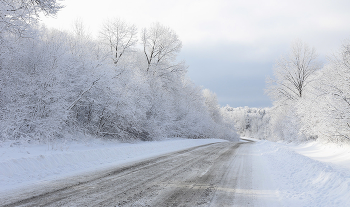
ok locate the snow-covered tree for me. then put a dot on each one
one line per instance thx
(160, 46)
(57, 84)
(292, 73)
(119, 37)
(329, 107)
(17, 15)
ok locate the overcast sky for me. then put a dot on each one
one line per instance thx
(230, 46)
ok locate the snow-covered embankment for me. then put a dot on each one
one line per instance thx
(309, 174)
(25, 165)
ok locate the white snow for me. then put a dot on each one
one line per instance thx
(331, 153)
(311, 174)
(24, 165)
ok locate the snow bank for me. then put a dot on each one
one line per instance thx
(331, 153)
(303, 180)
(25, 165)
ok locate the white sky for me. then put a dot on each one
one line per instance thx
(229, 45)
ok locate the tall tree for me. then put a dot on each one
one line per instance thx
(119, 36)
(293, 73)
(160, 45)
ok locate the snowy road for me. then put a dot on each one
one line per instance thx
(220, 174)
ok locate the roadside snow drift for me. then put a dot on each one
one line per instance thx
(25, 165)
(304, 181)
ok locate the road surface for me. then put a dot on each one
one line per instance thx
(219, 174)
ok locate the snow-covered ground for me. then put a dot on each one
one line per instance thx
(23, 165)
(311, 174)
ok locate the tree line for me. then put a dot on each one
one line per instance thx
(311, 99)
(125, 84)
